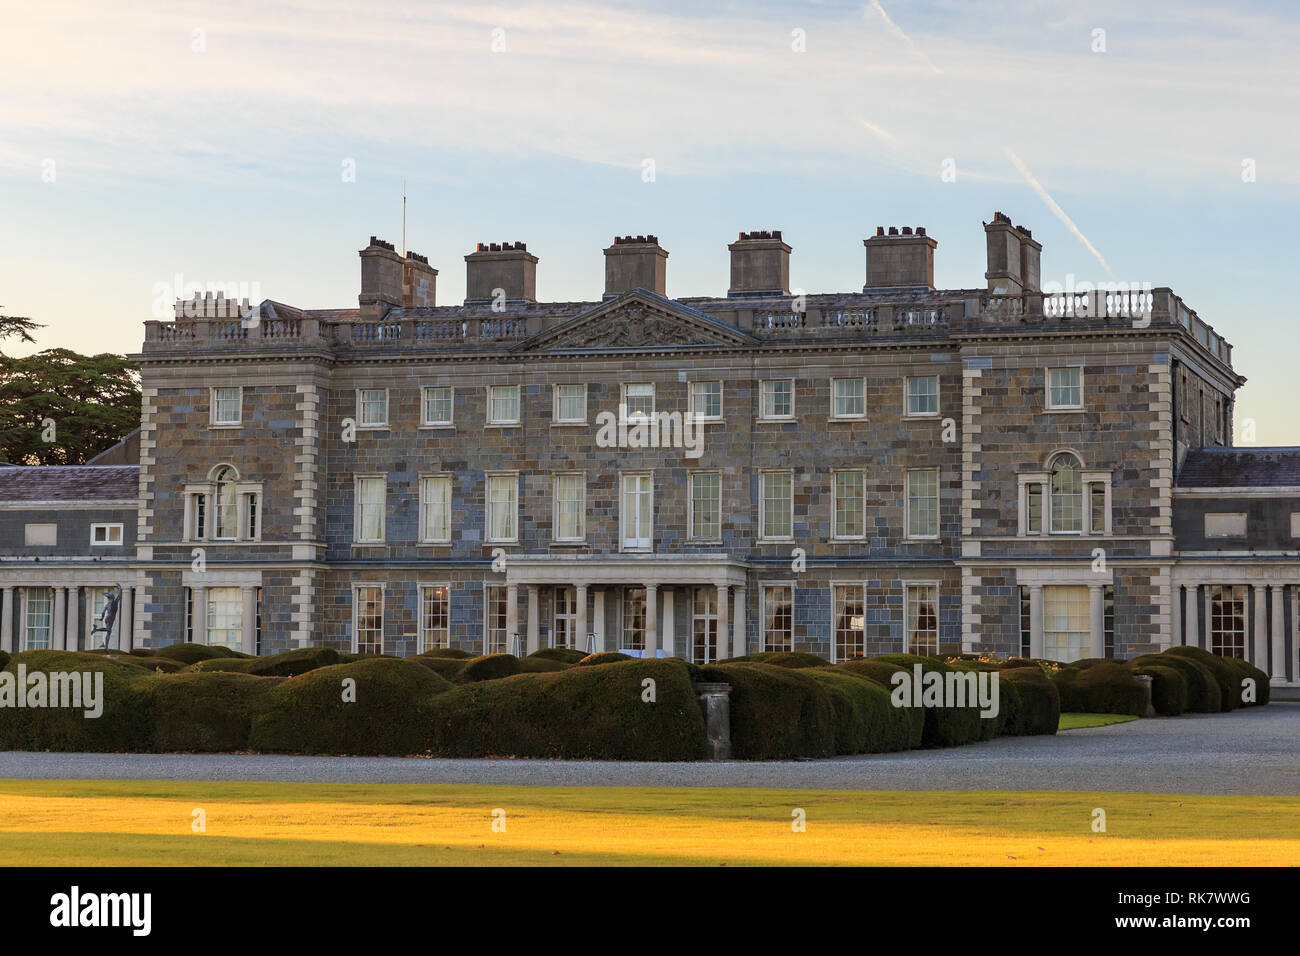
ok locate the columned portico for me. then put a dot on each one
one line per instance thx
(1266, 590)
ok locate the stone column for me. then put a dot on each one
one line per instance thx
(1035, 620)
(738, 625)
(534, 613)
(669, 622)
(58, 637)
(199, 625)
(1175, 616)
(125, 619)
(74, 618)
(1260, 627)
(1278, 669)
(1295, 632)
(512, 617)
(248, 620)
(722, 627)
(651, 621)
(580, 622)
(1191, 623)
(1097, 619)
(7, 619)
(597, 612)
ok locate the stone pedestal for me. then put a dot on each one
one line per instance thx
(715, 702)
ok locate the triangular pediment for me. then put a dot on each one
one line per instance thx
(633, 320)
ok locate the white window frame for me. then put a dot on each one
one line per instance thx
(356, 615)
(690, 505)
(362, 424)
(907, 396)
(24, 620)
(506, 638)
(835, 415)
(425, 420)
(763, 536)
(556, 419)
(582, 508)
(628, 415)
(622, 513)
(209, 617)
(519, 407)
(214, 421)
(762, 610)
(835, 534)
(907, 504)
(442, 478)
(513, 477)
(426, 586)
(763, 388)
(1043, 479)
(690, 400)
(357, 505)
(1048, 404)
(909, 589)
(862, 631)
(109, 526)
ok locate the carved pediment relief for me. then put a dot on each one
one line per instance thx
(632, 324)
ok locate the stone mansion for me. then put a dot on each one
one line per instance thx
(995, 469)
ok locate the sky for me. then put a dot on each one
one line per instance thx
(262, 143)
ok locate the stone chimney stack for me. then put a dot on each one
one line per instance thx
(505, 266)
(635, 262)
(900, 259)
(419, 282)
(1014, 258)
(760, 265)
(381, 279)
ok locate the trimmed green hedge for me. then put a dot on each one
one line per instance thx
(1228, 672)
(452, 652)
(565, 655)
(165, 665)
(1168, 688)
(4, 659)
(866, 721)
(193, 653)
(605, 657)
(1202, 688)
(1100, 687)
(1037, 703)
(204, 713)
(777, 713)
(489, 667)
(794, 659)
(445, 667)
(944, 726)
(541, 665)
(308, 714)
(591, 712)
(122, 726)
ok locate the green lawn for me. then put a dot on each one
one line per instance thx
(1077, 721)
(152, 823)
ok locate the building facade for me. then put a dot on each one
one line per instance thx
(904, 468)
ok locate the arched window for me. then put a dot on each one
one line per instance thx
(1067, 494)
(227, 513)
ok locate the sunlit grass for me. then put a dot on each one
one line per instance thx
(1076, 721)
(143, 823)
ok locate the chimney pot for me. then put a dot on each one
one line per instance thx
(899, 259)
(760, 265)
(507, 266)
(635, 262)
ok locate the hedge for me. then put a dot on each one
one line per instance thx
(565, 655)
(204, 712)
(606, 657)
(453, 652)
(308, 714)
(1202, 688)
(592, 712)
(193, 653)
(541, 665)
(866, 720)
(122, 726)
(1037, 701)
(1101, 687)
(1168, 688)
(445, 667)
(489, 667)
(944, 726)
(1228, 672)
(793, 659)
(777, 713)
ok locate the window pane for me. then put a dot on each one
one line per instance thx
(569, 507)
(923, 619)
(374, 406)
(706, 505)
(850, 622)
(850, 398)
(778, 398)
(923, 395)
(1034, 508)
(227, 516)
(850, 488)
(923, 503)
(706, 399)
(570, 403)
(1228, 620)
(436, 494)
(435, 618)
(704, 625)
(225, 617)
(497, 639)
(639, 400)
(564, 633)
(1098, 501)
(503, 506)
(370, 620)
(437, 406)
(777, 506)
(778, 618)
(633, 636)
(1065, 387)
(503, 403)
(1067, 494)
(226, 406)
(40, 604)
(1067, 633)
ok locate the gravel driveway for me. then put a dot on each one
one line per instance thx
(1255, 751)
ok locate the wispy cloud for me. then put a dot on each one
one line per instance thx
(1057, 211)
(897, 31)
